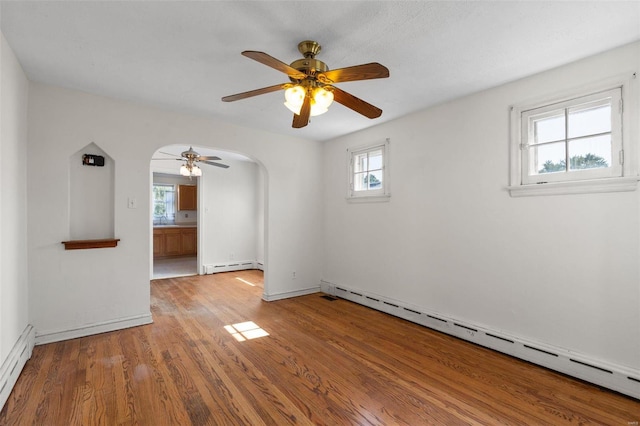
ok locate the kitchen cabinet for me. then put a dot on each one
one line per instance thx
(175, 241)
(189, 241)
(158, 243)
(187, 197)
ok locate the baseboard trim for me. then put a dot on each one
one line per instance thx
(90, 329)
(290, 294)
(612, 376)
(15, 362)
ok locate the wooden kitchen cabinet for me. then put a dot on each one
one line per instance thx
(187, 197)
(175, 241)
(158, 243)
(172, 242)
(189, 241)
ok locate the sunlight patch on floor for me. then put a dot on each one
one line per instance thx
(245, 331)
(245, 281)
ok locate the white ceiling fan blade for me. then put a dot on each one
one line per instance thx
(211, 163)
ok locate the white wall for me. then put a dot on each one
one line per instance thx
(229, 200)
(14, 309)
(73, 290)
(90, 196)
(559, 270)
(260, 209)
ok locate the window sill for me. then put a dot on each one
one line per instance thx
(624, 184)
(370, 199)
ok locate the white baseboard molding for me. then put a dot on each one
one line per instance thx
(289, 294)
(15, 362)
(615, 377)
(90, 329)
(232, 266)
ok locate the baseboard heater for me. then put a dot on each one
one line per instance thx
(232, 266)
(614, 377)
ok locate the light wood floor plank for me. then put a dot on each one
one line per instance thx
(322, 363)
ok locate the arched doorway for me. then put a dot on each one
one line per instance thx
(229, 219)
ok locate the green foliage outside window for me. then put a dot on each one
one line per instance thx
(577, 162)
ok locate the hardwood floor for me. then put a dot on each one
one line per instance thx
(323, 362)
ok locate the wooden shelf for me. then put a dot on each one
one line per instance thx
(90, 244)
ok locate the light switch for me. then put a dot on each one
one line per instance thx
(132, 203)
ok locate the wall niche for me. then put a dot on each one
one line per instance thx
(91, 199)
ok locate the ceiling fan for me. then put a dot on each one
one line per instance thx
(311, 89)
(190, 158)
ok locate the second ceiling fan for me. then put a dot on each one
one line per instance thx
(311, 89)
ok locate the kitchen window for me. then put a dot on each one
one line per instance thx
(164, 204)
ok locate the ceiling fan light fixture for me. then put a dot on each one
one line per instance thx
(294, 97)
(320, 100)
(190, 170)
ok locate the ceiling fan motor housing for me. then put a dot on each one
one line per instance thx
(309, 65)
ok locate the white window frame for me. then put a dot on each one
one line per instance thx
(620, 176)
(381, 194)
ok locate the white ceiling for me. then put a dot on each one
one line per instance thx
(185, 55)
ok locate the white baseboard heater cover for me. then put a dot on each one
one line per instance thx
(615, 377)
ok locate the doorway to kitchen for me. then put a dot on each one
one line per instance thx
(175, 225)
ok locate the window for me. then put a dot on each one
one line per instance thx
(576, 139)
(368, 172)
(164, 203)
(573, 144)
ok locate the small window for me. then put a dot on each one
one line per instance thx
(574, 140)
(164, 204)
(368, 172)
(574, 144)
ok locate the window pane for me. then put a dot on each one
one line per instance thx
(374, 180)
(590, 153)
(375, 160)
(548, 158)
(359, 182)
(360, 163)
(164, 202)
(589, 121)
(549, 129)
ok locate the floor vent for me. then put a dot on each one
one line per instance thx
(589, 365)
(633, 379)
(412, 311)
(371, 298)
(391, 304)
(330, 298)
